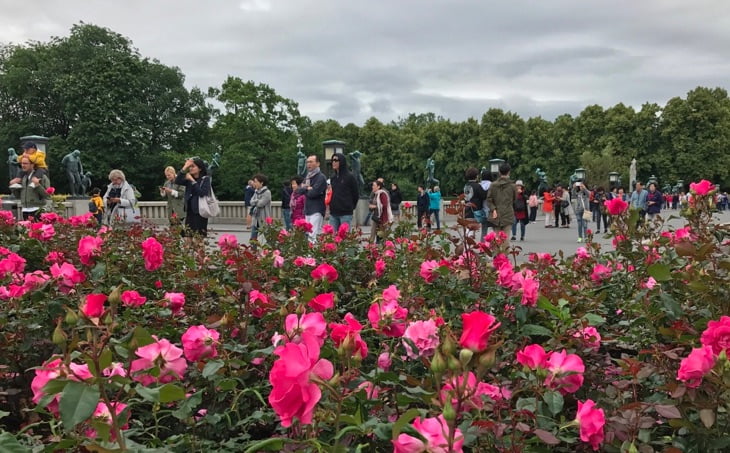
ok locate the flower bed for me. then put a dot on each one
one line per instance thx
(137, 339)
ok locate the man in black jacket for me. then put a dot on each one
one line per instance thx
(345, 193)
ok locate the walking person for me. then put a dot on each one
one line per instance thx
(581, 197)
(422, 208)
(434, 205)
(654, 201)
(247, 194)
(501, 196)
(474, 196)
(314, 189)
(174, 194)
(296, 200)
(521, 215)
(547, 208)
(533, 202)
(345, 193)
(558, 205)
(486, 182)
(382, 215)
(396, 198)
(197, 184)
(600, 197)
(566, 209)
(286, 192)
(638, 201)
(260, 206)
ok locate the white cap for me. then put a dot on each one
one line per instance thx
(519, 183)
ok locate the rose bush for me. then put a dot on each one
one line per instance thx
(133, 339)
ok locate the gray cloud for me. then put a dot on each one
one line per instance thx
(457, 59)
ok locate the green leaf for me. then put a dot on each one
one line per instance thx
(534, 329)
(594, 319)
(78, 402)
(148, 394)
(529, 404)
(668, 411)
(273, 444)
(660, 271)
(212, 367)
(105, 359)
(554, 401)
(9, 444)
(547, 437)
(186, 407)
(170, 393)
(404, 419)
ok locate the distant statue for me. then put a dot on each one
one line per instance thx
(632, 172)
(301, 163)
(13, 165)
(215, 163)
(356, 168)
(542, 185)
(86, 182)
(71, 162)
(430, 167)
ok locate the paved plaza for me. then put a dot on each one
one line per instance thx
(537, 237)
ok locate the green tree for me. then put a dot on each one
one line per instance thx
(256, 132)
(93, 91)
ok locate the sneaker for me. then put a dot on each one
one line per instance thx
(580, 239)
(522, 239)
(15, 186)
(513, 238)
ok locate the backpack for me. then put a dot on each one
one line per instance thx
(468, 192)
(92, 207)
(519, 204)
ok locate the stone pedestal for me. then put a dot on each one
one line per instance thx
(79, 206)
(361, 212)
(10, 205)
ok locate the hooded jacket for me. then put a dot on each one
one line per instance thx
(345, 191)
(501, 197)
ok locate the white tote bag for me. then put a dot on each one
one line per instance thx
(208, 205)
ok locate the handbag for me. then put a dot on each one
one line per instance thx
(564, 204)
(208, 205)
(587, 216)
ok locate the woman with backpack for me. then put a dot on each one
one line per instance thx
(520, 207)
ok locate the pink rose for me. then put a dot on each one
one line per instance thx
(532, 356)
(51, 190)
(227, 242)
(388, 318)
(478, 326)
(591, 421)
(384, 361)
(717, 335)
(428, 270)
(301, 224)
(293, 392)
(600, 273)
(133, 299)
(379, 268)
(702, 188)
(94, 305)
(349, 334)
(322, 302)
(103, 414)
(565, 372)
(696, 365)
(328, 229)
(424, 335)
(324, 272)
(200, 343)
(175, 302)
(163, 355)
(152, 253)
(435, 431)
(312, 324)
(89, 246)
(616, 206)
(590, 336)
(260, 303)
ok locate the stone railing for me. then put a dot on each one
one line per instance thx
(231, 211)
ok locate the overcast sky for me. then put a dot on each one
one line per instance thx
(353, 59)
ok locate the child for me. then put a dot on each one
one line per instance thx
(296, 202)
(37, 158)
(96, 204)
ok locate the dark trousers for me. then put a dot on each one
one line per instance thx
(533, 213)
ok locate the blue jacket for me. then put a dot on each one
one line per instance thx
(434, 201)
(315, 195)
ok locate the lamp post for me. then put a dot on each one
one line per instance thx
(494, 167)
(580, 174)
(332, 147)
(652, 179)
(612, 180)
